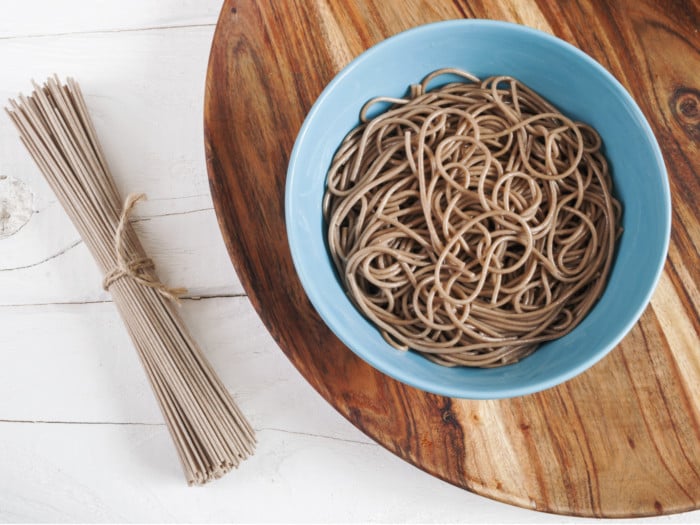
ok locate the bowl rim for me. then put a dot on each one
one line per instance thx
(464, 391)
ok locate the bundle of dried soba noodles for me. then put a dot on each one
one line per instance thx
(210, 433)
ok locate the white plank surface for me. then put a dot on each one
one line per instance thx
(81, 438)
(36, 18)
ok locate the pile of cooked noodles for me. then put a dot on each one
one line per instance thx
(471, 222)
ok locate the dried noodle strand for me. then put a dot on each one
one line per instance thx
(210, 433)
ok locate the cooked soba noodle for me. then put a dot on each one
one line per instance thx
(471, 222)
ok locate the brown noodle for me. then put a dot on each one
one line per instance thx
(471, 222)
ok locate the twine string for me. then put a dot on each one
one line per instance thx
(140, 269)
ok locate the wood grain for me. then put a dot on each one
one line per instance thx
(623, 439)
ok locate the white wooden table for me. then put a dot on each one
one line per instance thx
(81, 437)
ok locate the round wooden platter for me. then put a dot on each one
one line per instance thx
(622, 439)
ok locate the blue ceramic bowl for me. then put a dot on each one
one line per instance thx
(583, 90)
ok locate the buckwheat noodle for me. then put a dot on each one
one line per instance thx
(210, 433)
(471, 222)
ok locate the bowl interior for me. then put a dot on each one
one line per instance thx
(579, 87)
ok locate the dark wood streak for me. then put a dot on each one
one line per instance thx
(464, 9)
(555, 451)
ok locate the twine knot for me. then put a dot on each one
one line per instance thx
(140, 269)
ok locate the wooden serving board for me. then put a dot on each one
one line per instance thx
(622, 439)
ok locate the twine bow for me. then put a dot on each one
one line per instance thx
(140, 269)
